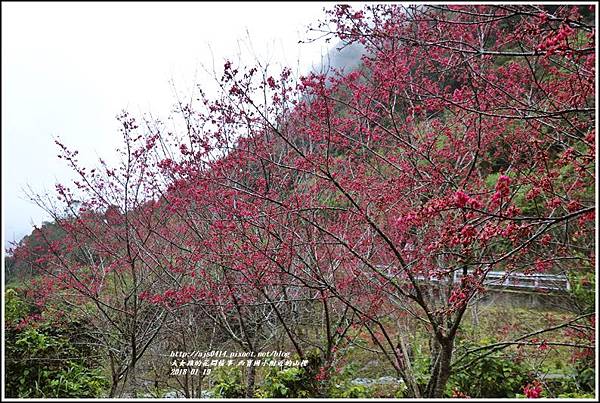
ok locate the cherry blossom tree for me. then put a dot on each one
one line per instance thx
(105, 257)
(464, 143)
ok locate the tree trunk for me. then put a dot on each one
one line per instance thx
(133, 378)
(405, 362)
(444, 371)
(113, 387)
(251, 381)
(114, 375)
(441, 357)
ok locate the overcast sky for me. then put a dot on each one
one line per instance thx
(68, 69)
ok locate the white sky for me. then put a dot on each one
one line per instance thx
(68, 69)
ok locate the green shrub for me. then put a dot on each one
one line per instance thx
(585, 377)
(576, 395)
(14, 308)
(45, 360)
(289, 382)
(583, 287)
(295, 382)
(341, 385)
(228, 383)
(491, 376)
(570, 385)
(355, 391)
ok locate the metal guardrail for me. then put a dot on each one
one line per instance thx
(551, 282)
(534, 281)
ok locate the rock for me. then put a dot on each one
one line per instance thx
(362, 381)
(386, 380)
(172, 395)
(206, 394)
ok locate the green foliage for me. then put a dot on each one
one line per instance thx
(289, 382)
(490, 376)
(295, 382)
(585, 376)
(401, 392)
(576, 395)
(354, 392)
(36, 368)
(14, 308)
(341, 386)
(420, 364)
(570, 385)
(582, 289)
(228, 383)
(43, 361)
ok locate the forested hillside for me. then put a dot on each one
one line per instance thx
(346, 220)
